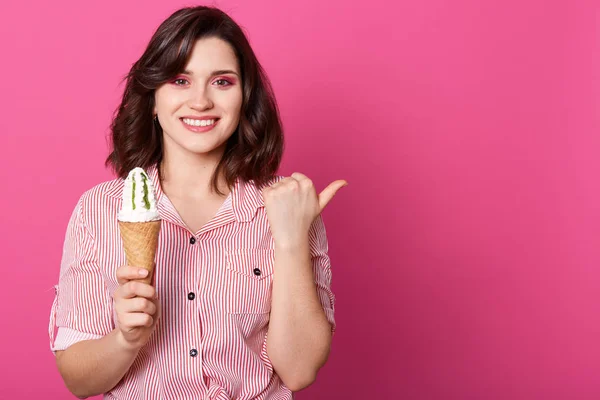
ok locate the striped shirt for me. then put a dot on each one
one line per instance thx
(214, 286)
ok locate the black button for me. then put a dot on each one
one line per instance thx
(191, 296)
(256, 271)
(192, 240)
(193, 352)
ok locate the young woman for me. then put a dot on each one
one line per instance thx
(240, 306)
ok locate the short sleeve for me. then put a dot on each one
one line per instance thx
(322, 268)
(82, 307)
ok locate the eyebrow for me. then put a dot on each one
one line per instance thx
(214, 73)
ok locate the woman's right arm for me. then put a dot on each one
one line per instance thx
(93, 367)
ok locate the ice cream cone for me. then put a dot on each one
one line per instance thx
(139, 221)
(140, 240)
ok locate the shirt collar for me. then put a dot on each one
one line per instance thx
(246, 198)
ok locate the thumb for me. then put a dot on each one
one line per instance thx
(330, 191)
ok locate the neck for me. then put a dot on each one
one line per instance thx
(190, 175)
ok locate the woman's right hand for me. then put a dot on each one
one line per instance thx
(136, 306)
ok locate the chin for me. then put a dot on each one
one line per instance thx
(200, 149)
(205, 143)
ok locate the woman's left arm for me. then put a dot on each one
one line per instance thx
(299, 335)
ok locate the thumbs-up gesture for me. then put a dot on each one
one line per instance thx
(292, 205)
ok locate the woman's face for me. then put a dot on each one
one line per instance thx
(209, 93)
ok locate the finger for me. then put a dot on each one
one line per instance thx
(136, 320)
(137, 289)
(141, 305)
(286, 180)
(300, 177)
(330, 191)
(127, 273)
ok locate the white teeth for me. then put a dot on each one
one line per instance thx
(197, 122)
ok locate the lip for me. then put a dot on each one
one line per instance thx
(199, 129)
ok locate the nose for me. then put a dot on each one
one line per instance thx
(200, 99)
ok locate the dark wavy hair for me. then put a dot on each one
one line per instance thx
(254, 150)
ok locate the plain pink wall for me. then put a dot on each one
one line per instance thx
(465, 250)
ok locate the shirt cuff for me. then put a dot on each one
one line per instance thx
(329, 314)
(66, 337)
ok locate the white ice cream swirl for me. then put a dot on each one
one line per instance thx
(139, 199)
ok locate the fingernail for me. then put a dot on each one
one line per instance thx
(143, 272)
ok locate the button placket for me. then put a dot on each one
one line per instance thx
(191, 296)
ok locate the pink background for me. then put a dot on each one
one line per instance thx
(465, 249)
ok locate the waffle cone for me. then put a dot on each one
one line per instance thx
(140, 240)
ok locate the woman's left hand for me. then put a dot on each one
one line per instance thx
(292, 205)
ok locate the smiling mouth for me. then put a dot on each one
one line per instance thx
(199, 125)
(199, 122)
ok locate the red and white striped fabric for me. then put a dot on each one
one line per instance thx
(214, 286)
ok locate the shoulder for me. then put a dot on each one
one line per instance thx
(100, 197)
(105, 191)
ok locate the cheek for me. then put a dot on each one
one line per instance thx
(235, 105)
(232, 98)
(166, 99)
